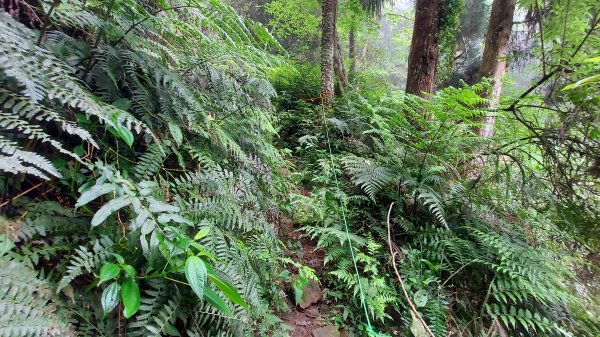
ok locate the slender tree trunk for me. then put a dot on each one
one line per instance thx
(493, 66)
(423, 57)
(352, 51)
(493, 63)
(340, 71)
(363, 57)
(329, 10)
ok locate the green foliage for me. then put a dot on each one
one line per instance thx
(28, 306)
(173, 99)
(467, 262)
(143, 146)
(449, 26)
(294, 18)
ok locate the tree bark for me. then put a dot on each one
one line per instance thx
(493, 63)
(329, 10)
(352, 51)
(340, 71)
(423, 57)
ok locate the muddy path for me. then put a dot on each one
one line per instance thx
(311, 321)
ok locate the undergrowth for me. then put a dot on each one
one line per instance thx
(151, 149)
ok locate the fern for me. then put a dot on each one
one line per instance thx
(369, 176)
(28, 306)
(15, 160)
(86, 261)
(433, 202)
(158, 311)
(193, 75)
(152, 161)
(43, 79)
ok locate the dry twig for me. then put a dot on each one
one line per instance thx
(394, 252)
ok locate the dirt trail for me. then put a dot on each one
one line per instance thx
(305, 321)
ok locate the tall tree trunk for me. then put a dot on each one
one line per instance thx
(352, 51)
(363, 55)
(340, 71)
(493, 63)
(329, 10)
(423, 57)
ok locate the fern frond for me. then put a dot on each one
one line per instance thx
(27, 304)
(158, 311)
(433, 202)
(368, 175)
(85, 260)
(15, 160)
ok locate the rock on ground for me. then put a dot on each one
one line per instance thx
(312, 295)
(326, 331)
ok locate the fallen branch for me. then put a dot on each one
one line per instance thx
(20, 195)
(395, 252)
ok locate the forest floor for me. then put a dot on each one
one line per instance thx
(312, 321)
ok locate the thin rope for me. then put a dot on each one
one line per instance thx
(343, 208)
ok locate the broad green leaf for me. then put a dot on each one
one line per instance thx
(137, 205)
(94, 192)
(202, 251)
(159, 206)
(148, 227)
(228, 289)
(119, 258)
(593, 60)
(176, 133)
(129, 270)
(142, 217)
(298, 285)
(202, 233)
(110, 297)
(78, 150)
(109, 208)
(211, 297)
(416, 327)
(167, 217)
(421, 298)
(148, 184)
(109, 271)
(183, 243)
(124, 133)
(431, 266)
(196, 273)
(130, 294)
(587, 80)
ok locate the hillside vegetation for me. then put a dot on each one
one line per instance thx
(159, 160)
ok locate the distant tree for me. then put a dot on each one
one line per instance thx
(358, 8)
(328, 46)
(372, 8)
(423, 57)
(469, 42)
(493, 63)
(449, 29)
(340, 70)
(352, 50)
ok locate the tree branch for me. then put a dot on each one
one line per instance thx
(557, 68)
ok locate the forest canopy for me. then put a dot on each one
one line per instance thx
(299, 168)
